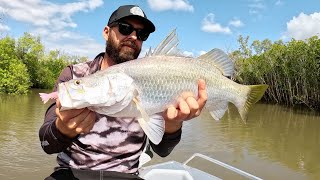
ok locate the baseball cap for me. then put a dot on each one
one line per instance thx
(131, 11)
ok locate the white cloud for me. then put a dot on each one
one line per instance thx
(236, 23)
(253, 12)
(86, 47)
(93, 4)
(202, 52)
(279, 3)
(54, 23)
(163, 5)
(256, 6)
(4, 27)
(43, 13)
(188, 53)
(69, 42)
(209, 25)
(57, 35)
(303, 26)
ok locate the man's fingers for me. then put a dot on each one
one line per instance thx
(171, 113)
(70, 114)
(88, 128)
(183, 111)
(193, 106)
(202, 93)
(186, 95)
(67, 114)
(74, 122)
(58, 104)
(82, 123)
(86, 125)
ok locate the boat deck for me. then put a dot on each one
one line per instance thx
(173, 170)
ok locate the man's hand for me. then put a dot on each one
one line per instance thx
(188, 107)
(75, 121)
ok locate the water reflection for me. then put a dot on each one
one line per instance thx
(281, 135)
(275, 143)
(20, 152)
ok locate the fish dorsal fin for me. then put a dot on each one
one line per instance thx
(149, 53)
(220, 60)
(168, 47)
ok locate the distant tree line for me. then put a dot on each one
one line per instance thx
(291, 69)
(24, 64)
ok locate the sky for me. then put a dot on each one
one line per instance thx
(75, 26)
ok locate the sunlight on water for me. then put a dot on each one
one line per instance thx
(276, 142)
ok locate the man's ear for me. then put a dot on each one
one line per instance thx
(105, 32)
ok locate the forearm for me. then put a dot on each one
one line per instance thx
(52, 141)
(172, 126)
(169, 141)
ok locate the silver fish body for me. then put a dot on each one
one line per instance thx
(160, 80)
(146, 86)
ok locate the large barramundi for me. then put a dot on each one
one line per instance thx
(147, 86)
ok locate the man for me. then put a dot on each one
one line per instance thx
(91, 144)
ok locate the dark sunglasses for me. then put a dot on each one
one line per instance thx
(126, 29)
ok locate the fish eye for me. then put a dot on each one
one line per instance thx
(77, 82)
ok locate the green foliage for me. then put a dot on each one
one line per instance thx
(245, 50)
(23, 64)
(291, 70)
(14, 78)
(51, 64)
(29, 50)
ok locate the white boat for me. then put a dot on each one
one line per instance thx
(173, 170)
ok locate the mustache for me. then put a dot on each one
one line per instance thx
(130, 44)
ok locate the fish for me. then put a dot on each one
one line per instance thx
(149, 85)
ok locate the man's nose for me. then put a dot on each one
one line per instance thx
(133, 35)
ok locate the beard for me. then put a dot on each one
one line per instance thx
(119, 55)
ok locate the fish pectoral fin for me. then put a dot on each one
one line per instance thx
(217, 109)
(46, 97)
(153, 127)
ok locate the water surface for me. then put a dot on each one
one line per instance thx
(276, 143)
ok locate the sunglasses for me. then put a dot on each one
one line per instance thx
(126, 29)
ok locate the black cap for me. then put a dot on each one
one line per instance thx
(131, 11)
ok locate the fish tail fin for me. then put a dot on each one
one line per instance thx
(46, 97)
(254, 95)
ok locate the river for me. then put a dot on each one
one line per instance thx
(276, 142)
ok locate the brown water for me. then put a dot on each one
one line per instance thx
(276, 142)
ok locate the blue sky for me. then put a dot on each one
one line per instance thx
(75, 27)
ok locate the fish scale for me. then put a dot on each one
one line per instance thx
(160, 80)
